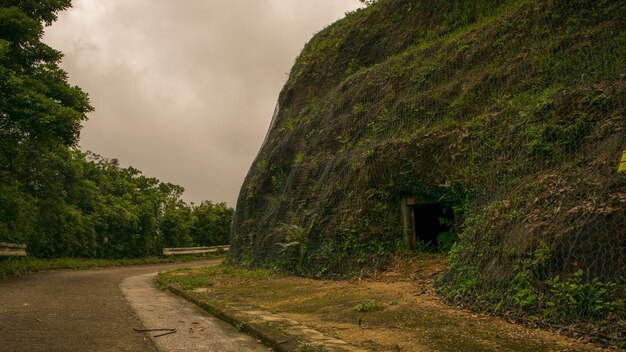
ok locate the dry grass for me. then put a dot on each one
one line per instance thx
(409, 317)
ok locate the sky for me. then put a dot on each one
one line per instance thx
(185, 90)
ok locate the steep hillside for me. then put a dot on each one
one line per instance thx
(411, 123)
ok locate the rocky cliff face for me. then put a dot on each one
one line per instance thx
(507, 115)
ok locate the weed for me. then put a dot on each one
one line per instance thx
(573, 297)
(369, 306)
(19, 266)
(306, 346)
(298, 159)
(446, 239)
(524, 295)
(276, 327)
(335, 334)
(295, 246)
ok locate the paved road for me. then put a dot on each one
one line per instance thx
(73, 311)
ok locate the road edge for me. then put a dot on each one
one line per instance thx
(242, 322)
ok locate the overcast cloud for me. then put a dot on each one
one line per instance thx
(185, 90)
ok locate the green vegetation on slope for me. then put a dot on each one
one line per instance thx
(61, 201)
(510, 112)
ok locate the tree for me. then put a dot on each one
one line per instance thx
(57, 199)
(37, 105)
(39, 110)
(175, 225)
(211, 224)
(368, 2)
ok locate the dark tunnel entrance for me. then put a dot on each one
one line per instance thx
(430, 222)
(428, 225)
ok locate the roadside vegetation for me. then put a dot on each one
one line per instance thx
(10, 267)
(62, 201)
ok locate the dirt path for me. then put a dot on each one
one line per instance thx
(73, 311)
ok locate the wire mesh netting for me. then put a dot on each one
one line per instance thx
(507, 115)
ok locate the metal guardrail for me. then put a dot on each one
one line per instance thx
(194, 250)
(12, 250)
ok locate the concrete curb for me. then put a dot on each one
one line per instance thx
(274, 339)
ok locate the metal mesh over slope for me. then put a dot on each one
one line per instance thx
(509, 114)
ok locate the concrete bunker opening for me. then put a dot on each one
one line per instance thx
(428, 224)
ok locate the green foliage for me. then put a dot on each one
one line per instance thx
(41, 11)
(509, 111)
(40, 115)
(306, 346)
(555, 299)
(294, 247)
(210, 225)
(298, 159)
(278, 180)
(10, 267)
(99, 209)
(175, 225)
(565, 299)
(368, 2)
(189, 280)
(252, 275)
(464, 280)
(370, 305)
(446, 239)
(523, 293)
(574, 297)
(38, 107)
(58, 200)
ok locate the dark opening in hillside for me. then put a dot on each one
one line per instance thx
(433, 225)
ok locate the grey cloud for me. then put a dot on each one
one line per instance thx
(185, 90)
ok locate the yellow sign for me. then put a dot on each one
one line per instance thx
(622, 164)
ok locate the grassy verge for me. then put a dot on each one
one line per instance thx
(10, 267)
(393, 312)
